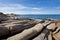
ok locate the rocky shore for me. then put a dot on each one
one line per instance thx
(30, 29)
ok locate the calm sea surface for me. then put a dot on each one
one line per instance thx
(54, 16)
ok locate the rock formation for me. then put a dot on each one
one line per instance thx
(28, 29)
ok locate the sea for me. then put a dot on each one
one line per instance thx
(38, 16)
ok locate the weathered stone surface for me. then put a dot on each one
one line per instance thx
(3, 17)
(52, 26)
(3, 30)
(47, 23)
(42, 36)
(26, 34)
(56, 33)
(14, 26)
(58, 25)
(57, 36)
(50, 36)
(48, 30)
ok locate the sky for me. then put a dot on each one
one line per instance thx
(30, 6)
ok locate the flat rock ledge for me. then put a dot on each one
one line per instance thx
(30, 30)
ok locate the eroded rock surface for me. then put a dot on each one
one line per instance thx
(31, 30)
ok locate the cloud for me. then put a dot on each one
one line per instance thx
(21, 9)
(18, 8)
(12, 6)
(57, 7)
(37, 8)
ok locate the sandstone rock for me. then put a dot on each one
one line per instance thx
(52, 26)
(42, 36)
(50, 36)
(3, 31)
(58, 25)
(28, 33)
(13, 28)
(57, 36)
(56, 33)
(47, 23)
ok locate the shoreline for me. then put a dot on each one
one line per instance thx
(15, 26)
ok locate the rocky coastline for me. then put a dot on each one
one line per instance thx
(30, 29)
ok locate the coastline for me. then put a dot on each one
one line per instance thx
(14, 27)
(19, 28)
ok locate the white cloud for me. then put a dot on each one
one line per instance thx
(57, 7)
(18, 8)
(21, 9)
(7, 8)
(37, 8)
(12, 6)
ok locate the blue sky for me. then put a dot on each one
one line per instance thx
(30, 6)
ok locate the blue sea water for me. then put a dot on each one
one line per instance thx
(38, 16)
